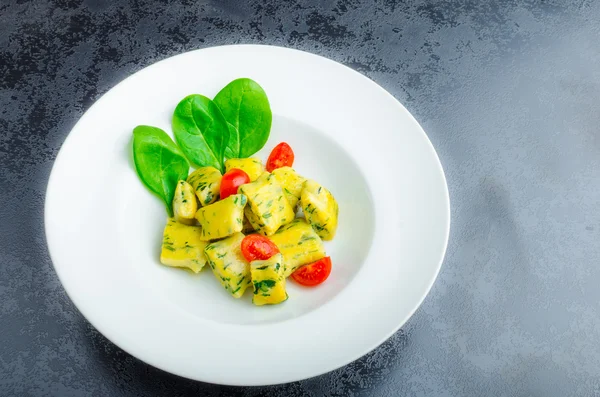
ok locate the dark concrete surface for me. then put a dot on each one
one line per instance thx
(509, 94)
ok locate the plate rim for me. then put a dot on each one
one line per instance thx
(430, 282)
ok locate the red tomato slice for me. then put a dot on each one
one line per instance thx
(281, 156)
(314, 273)
(230, 182)
(256, 247)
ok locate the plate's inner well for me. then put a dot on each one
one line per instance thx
(140, 218)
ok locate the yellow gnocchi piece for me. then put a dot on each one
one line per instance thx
(268, 207)
(182, 246)
(268, 281)
(299, 244)
(223, 218)
(206, 182)
(291, 183)
(229, 265)
(320, 209)
(184, 203)
(251, 166)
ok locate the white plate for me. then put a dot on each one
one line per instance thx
(104, 228)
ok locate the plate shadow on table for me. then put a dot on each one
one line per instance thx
(132, 374)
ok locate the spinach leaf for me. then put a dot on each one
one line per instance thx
(245, 106)
(159, 162)
(201, 131)
(263, 286)
(232, 151)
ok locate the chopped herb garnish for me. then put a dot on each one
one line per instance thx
(319, 227)
(263, 285)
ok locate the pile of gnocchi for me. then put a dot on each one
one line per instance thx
(255, 226)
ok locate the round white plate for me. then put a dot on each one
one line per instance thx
(104, 227)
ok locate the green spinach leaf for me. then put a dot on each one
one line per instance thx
(159, 162)
(245, 106)
(232, 151)
(201, 131)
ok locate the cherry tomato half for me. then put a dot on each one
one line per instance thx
(281, 156)
(256, 247)
(230, 182)
(314, 273)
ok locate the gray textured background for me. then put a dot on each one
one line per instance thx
(509, 94)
